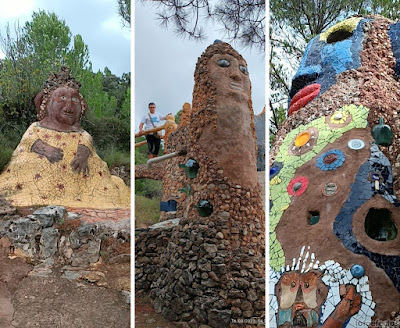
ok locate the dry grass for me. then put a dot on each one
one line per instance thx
(147, 211)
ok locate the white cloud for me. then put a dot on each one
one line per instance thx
(114, 25)
(16, 8)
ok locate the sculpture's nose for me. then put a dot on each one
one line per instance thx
(68, 106)
(235, 76)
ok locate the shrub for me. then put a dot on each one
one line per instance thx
(147, 211)
(9, 140)
(114, 157)
(148, 188)
(108, 131)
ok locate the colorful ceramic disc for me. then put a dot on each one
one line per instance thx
(356, 144)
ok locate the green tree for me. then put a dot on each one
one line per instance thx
(124, 10)
(125, 113)
(178, 116)
(42, 45)
(115, 86)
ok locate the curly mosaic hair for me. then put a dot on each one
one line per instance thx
(53, 82)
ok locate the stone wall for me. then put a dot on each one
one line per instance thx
(150, 244)
(54, 235)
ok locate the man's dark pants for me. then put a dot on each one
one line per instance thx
(153, 144)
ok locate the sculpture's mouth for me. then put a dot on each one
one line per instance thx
(303, 97)
(69, 114)
(236, 86)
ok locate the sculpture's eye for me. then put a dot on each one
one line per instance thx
(63, 98)
(306, 285)
(224, 63)
(293, 284)
(243, 69)
(74, 99)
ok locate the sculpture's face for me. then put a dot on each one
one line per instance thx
(297, 296)
(230, 77)
(64, 106)
(326, 56)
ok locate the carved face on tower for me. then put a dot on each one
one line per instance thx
(222, 100)
(231, 78)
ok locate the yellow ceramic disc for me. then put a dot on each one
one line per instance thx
(302, 139)
(339, 117)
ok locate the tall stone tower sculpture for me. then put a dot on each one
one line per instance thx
(212, 270)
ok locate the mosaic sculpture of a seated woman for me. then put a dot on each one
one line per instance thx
(55, 162)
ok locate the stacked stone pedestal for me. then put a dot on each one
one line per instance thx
(205, 277)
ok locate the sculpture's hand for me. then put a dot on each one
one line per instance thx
(80, 162)
(42, 148)
(349, 305)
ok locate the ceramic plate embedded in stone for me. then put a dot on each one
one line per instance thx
(356, 144)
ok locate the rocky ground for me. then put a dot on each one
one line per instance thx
(41, 285)
(40, 296)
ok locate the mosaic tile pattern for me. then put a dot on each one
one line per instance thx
(280, 198)
(361, 191)
(348, 25)
(337, 160)
(333, 277)
(322, 61)
(31, 179)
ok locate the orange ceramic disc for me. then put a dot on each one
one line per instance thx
(302, 139)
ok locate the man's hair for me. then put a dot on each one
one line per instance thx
(151, 104)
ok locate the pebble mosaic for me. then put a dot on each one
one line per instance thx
(361, 191)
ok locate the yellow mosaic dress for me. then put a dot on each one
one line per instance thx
(30, 179)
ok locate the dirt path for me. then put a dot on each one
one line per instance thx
(146, 317)
(47, 298)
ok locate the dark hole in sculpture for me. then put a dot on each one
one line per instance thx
(379, 225)
(313, 217)
(204, 208)
(191, 167)
(338, 35)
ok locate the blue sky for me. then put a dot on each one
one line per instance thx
(165, 64)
